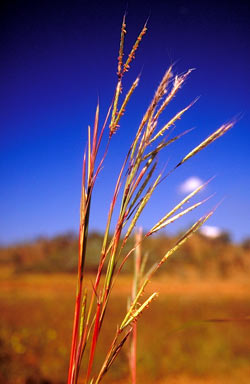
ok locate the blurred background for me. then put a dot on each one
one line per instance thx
(57, 59)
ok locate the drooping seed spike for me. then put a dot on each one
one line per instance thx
(131, 55)
(120, 57)
(210, 139)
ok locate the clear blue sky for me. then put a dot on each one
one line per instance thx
(58, 57)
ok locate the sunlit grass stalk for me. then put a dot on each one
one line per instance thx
(136, 282)
(137, 181)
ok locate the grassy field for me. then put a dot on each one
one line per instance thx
(181, 336)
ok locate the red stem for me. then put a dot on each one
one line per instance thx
(94, 341)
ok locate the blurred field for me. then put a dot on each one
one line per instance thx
(182, 339)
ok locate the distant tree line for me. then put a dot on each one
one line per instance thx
(200, 255)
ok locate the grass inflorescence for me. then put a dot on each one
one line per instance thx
(137, 181)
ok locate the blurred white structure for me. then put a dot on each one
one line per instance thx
(210, 231)
(190, 184)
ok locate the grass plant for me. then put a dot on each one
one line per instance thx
(139, 265)
(138, 179)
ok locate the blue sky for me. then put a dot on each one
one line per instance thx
(59, 57)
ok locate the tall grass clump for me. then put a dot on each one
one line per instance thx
(135, 184)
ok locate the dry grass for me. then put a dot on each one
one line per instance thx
(136, 182)
(100, 332)
(185, 349)
(37, 285)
